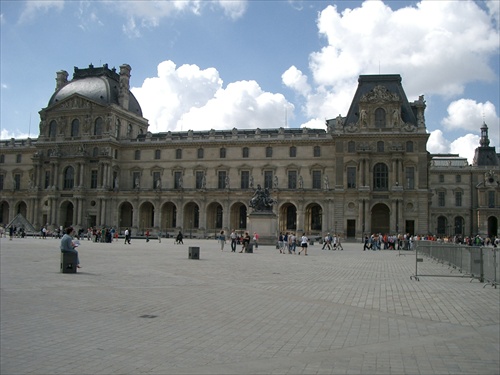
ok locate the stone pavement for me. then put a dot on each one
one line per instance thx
(146, 308)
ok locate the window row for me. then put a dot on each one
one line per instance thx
(97, 128)
(245, 153)
(19, 158)
(351, 146)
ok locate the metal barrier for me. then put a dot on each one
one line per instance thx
(478, 263)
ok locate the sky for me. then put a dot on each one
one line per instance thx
(201, 65)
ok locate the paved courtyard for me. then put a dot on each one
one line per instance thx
(146, 308)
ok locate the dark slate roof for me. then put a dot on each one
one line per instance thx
(100, 85)
(392, 82)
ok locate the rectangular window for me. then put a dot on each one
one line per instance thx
(293, 152)
(351, 177)
(458, 178)
(136, 180)
(199, 179)
(221, 179)
(157, 154)
(1, 181)
(245, 152)
(316, 175)
(177, 180)
(317, 151)
(268, 179)
(222, 153)
(245, 179)
(200, 153)
(178, 153)
(17, 182)
(410, 178)
(93, 179)
(441, 198)
(269, 152)
(441, 178)
(156, 180)
(46, 182)
(292, 179)
(458, 199)
(137, 155)
(18, 158)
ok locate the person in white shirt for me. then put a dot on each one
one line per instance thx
(303, 244)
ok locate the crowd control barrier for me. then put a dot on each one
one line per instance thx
(477, 262)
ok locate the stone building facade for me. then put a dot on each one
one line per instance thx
(95, 163)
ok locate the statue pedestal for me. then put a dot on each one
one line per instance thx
(265, 224)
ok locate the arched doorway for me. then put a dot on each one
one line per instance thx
(4, 212)
(126, 215)
(191, 217)
(66, 214)
(287, 218)
(238, 218)
(314, 219)
(146, 216)
(21, 209)
(492, 226)
(380, 218)
(214, 217)
(168, 217)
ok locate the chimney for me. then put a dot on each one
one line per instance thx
(124, 93)
(61, 79)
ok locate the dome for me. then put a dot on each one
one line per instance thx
(100, 85)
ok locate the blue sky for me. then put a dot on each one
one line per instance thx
(221, 64)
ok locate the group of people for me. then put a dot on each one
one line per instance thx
(332, 242)
(243, 239)
(287, 243)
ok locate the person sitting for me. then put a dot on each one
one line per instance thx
(68, 246)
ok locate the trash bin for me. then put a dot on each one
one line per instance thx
(68, 262)
(194, 252)
(249, 248)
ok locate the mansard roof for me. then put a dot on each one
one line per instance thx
(392, 83)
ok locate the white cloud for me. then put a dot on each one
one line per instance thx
(437, 143)
(148, 14)
(465, 146)
(35, 8)
(469, 115)
(432, 45)
(190, 98)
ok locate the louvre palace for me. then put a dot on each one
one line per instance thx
(95, 163)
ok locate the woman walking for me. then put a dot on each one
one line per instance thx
(303, 244)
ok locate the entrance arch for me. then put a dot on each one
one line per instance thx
(492, 226)
(287, 218)
(191, 216)
(4, 212)
(214, 216)
(126, 213)
(146, 216)
(168, 217)
(238, 217)
(380, 215)
(22, 209)
(314, 219)
(66, 214)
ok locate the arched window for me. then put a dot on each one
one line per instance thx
(52, 129)
(380, 177)
(441, 225)
(98, 126)
(118, 128)
(75, 128)
(69, 178)
(409, 146)
(459, 225)
(379, 118)
(380, 146)
(351, 146)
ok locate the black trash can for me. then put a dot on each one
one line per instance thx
(194, 252)
(68, 262)
(249, 248)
